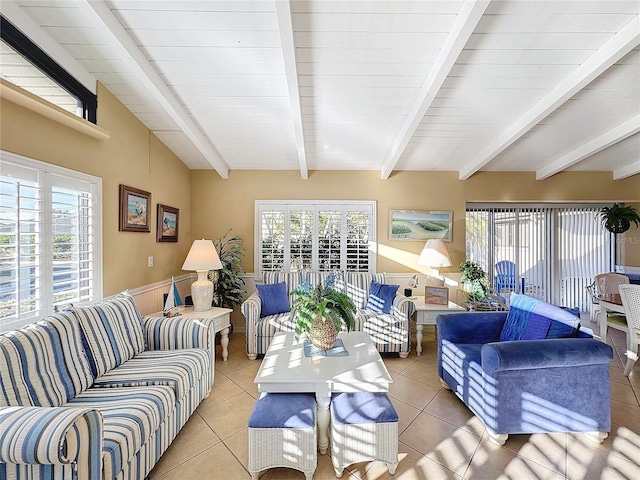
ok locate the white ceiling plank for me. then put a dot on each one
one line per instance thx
(619, 45)
(285, 24)
(615, 135)
(627, 171)
(462, 28)
(111, 27)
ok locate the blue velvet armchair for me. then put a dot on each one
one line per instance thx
(525, 386)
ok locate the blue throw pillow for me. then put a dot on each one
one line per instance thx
(381, 297)
(530, 318)
(274, 298)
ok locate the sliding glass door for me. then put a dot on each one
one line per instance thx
(551, 252)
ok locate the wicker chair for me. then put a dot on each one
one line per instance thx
(630, 295)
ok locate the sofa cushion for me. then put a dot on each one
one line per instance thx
(131, 415)
(274, 298)
(381, 297)
(43, 364)
(178, 369)
(530, 318)
(112, 333)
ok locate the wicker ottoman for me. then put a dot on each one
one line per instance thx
(282, 433)
(364, 426)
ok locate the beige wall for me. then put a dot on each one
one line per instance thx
(223, 204)
(132, 156)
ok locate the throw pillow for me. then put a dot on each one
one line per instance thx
(381, 297)
(274, 298)
(529, 318)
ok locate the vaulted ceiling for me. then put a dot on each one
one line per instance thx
(502, 85)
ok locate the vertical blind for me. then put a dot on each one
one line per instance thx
(316, 236)
(50, 251)
(554, 251)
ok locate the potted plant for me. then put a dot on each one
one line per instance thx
(320, 311)
(475, 280)
(618, 218)
(228, 285)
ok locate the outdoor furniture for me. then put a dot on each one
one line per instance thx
(282, 433)
(364, 427)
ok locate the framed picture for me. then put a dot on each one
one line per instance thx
(436, 295)
(135, 215)
(167, 224)
(416, 225)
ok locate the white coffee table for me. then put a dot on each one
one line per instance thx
(285, 368)
(426, 314)
(221, 318)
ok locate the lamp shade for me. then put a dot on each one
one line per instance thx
(202, 256)
(434, 254)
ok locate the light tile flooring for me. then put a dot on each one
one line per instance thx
(439, 437)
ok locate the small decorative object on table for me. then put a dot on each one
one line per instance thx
(321, 311)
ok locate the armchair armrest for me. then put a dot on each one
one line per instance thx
(536, 354)
(53, 436)
(402, 307)
(173, 333)
(470, 327)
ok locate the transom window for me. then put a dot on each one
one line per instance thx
(50, 239)
(317, 236)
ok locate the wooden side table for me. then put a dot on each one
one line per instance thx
(222, 320)
(426, 315)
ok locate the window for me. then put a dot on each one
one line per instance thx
(24, 64)
(318, 236)
(50, 239)
(554, 251)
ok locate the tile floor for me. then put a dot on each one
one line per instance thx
(439, 437)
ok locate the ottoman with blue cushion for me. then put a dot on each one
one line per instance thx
(282, 433)
(364, 427)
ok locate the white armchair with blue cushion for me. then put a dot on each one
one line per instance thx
(383, 313)
(531, 369)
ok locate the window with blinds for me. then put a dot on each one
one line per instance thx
(317, 236)
(554, 251)
(50, 251)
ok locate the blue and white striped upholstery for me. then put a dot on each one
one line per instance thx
(131, 416)
(112, 333)
(43, 364)
(389, 332)
(66, 442)
(178, 369)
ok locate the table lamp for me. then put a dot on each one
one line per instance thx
(202, 257)
(435, 255)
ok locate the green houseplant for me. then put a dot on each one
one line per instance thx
(228, 285)
(618, 218)
(475, 279)
(319, 312)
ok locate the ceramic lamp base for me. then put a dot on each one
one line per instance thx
(202, 292)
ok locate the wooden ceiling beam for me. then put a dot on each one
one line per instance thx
(613, 136)
(285, 24)
(617, 47)
(470, 14)
(105, 21)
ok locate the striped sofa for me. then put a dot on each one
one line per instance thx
(390, 332)
(98, 392)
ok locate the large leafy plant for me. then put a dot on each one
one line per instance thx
(228, 285)
(618, 218)
(475, 279)
(325, 300)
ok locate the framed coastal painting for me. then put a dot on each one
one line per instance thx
(135, 215)
(167, 224)
(420, 225)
